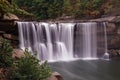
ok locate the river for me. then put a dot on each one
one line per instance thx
(88, 69)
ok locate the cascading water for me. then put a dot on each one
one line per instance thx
(89, 40)
(106, 54)
(60, 41)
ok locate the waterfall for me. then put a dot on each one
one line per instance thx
(89, 38)
(61, 41)
(106, 54)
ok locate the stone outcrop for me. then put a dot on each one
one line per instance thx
(113, 38)
(114, 19)
(10, 16)
(108, 19)
(9, 29)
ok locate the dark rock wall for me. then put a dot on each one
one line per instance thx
(9, 31)
(113, 39)
(113, 35)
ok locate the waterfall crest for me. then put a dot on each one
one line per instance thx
(61, 41)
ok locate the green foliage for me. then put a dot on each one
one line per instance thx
(67, 7)
(10, 6)
(4, 7)
(6, 59)
(80, 8)
(28, 68)
(51, 9)
(42, 9)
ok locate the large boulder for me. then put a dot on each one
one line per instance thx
(55, 76)
(17, 53)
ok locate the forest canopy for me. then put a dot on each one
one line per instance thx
(45, 9)
(51, 9)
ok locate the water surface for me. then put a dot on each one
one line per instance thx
(88, 69)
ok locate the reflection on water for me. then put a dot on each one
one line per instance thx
(88, 69)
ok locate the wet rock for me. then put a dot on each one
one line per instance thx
(17, 53)
(118, 31)
(111, 27)
(55, 76)
(114, 54)
(113, 42)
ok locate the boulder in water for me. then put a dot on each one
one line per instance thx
(55, 76)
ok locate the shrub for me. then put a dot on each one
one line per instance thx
(28, 68)
(6, 59)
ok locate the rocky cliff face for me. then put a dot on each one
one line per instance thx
(9, 31)
(113, 38)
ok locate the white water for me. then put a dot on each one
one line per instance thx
(58, 41)
(106, 54)
(89, 40)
